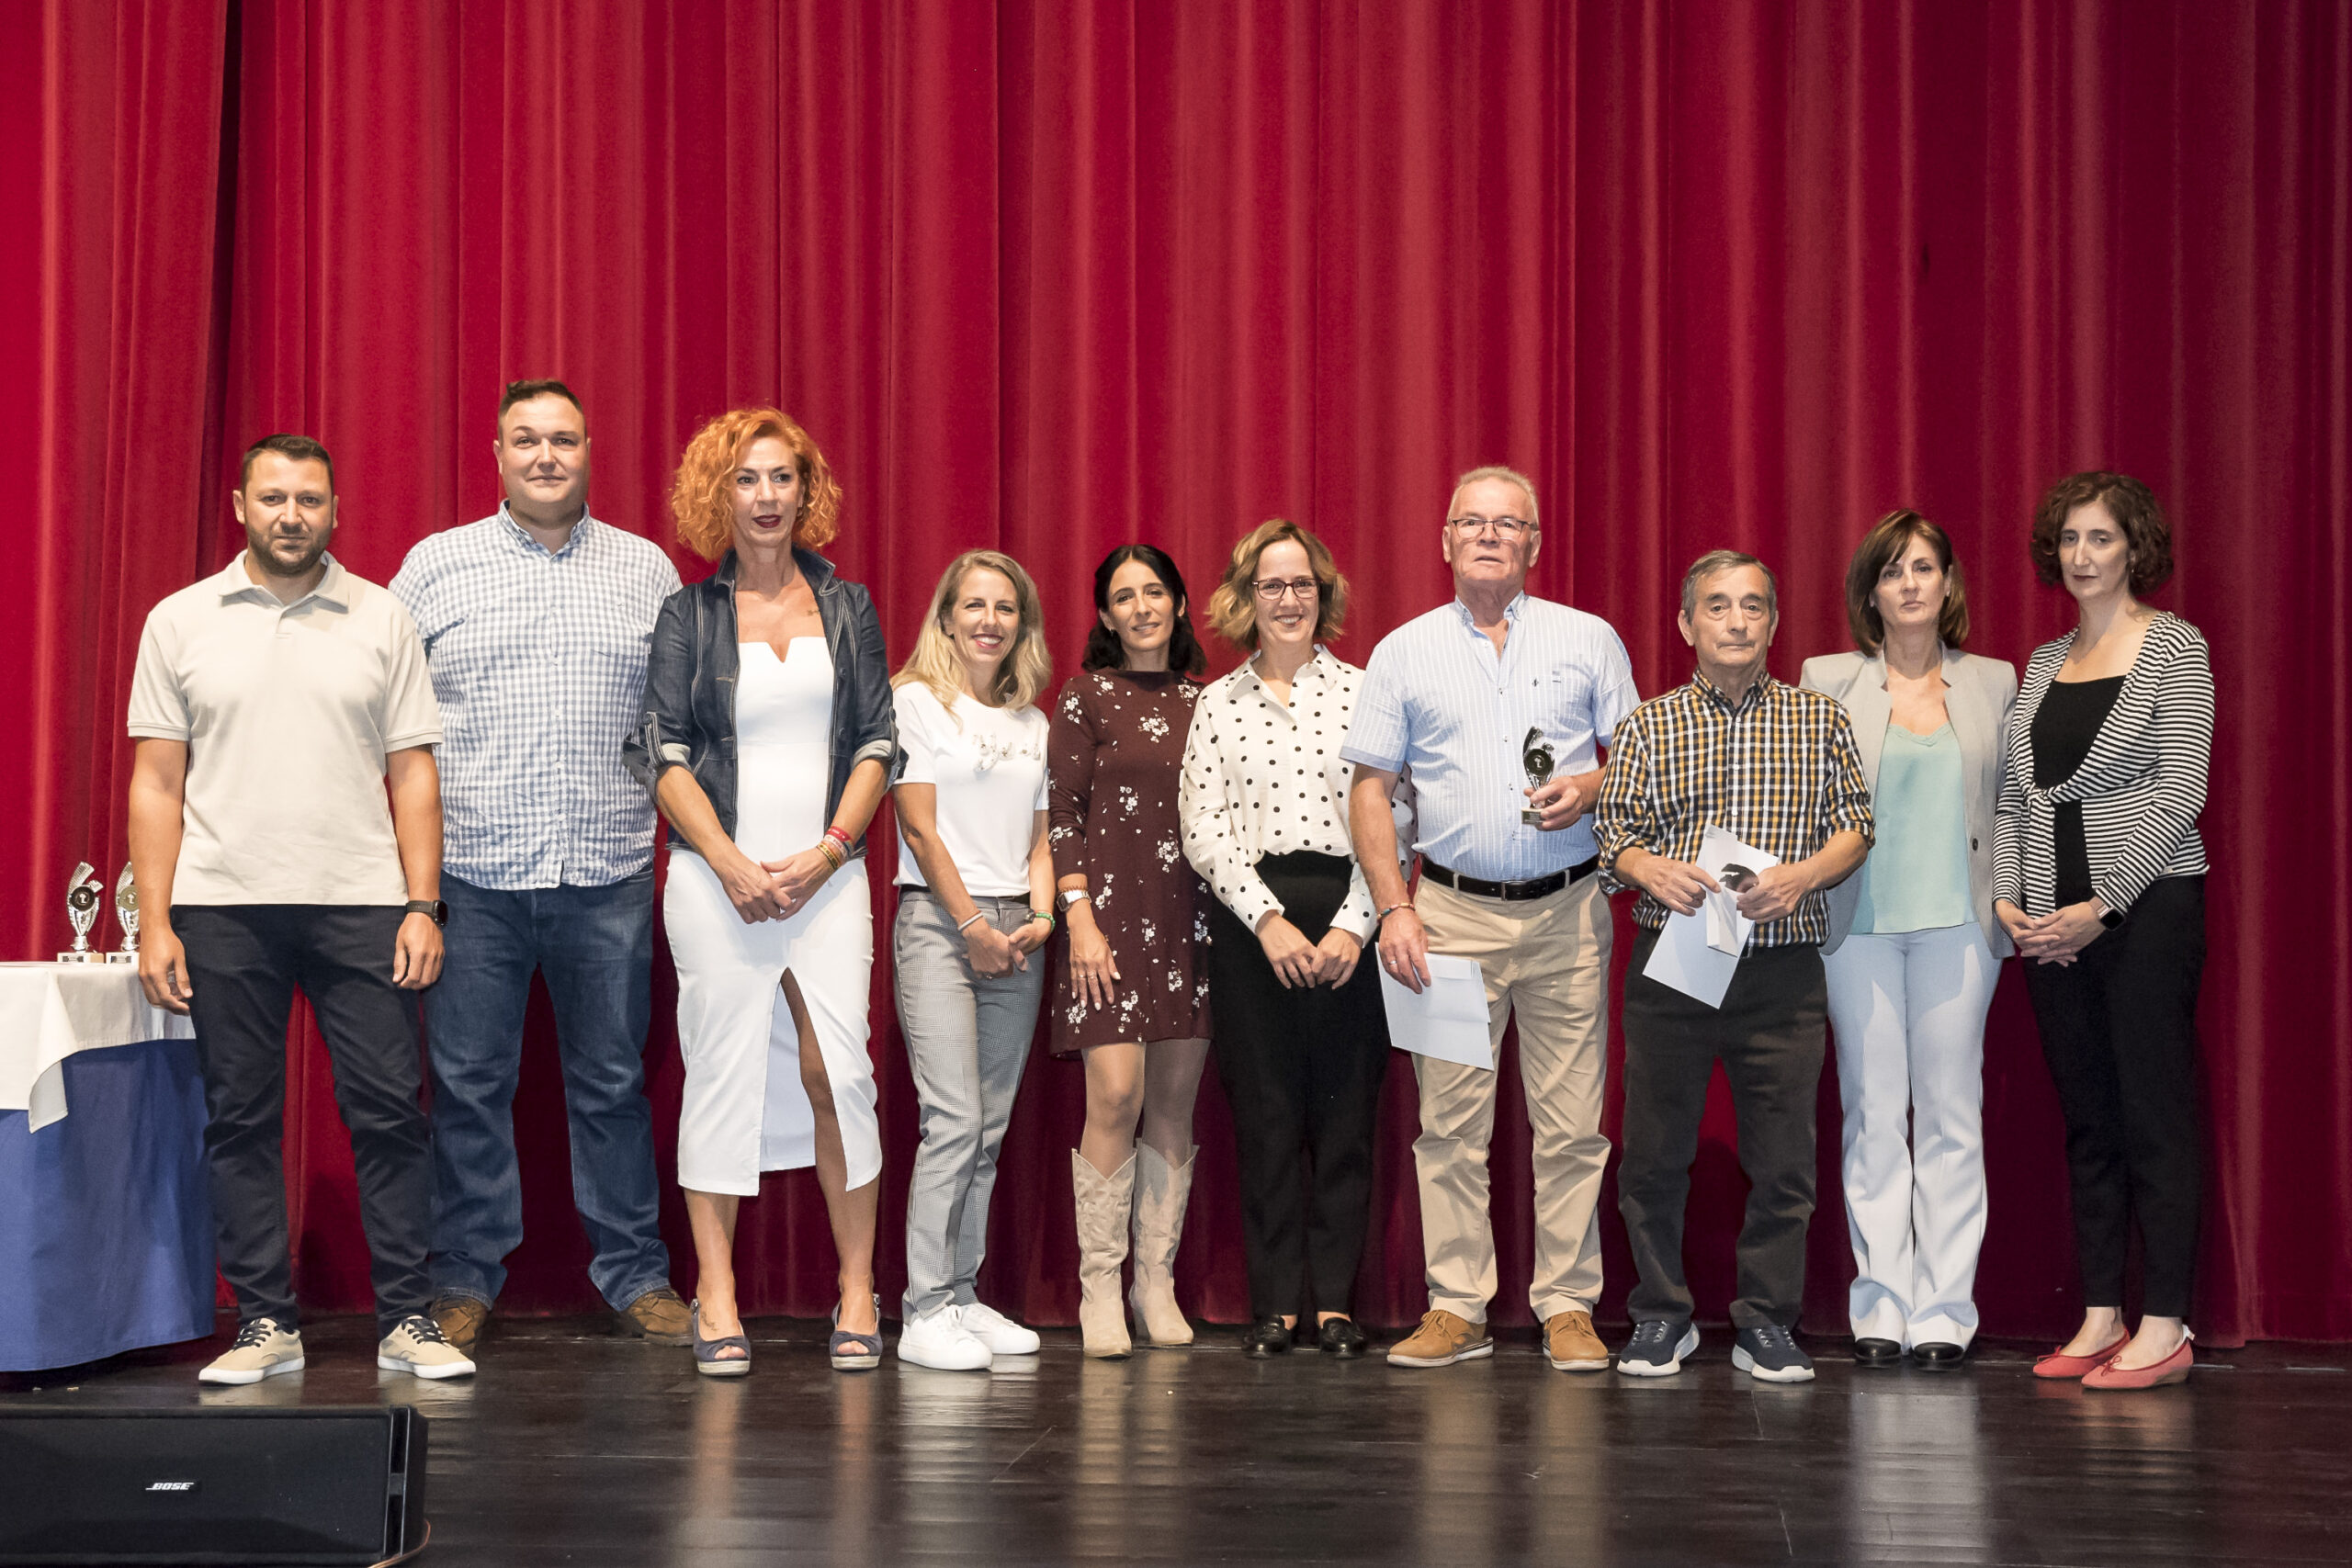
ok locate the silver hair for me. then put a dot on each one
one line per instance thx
(1497, 471)
(1713, 561)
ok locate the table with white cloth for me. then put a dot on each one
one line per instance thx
(106, 1231)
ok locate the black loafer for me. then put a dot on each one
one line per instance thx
(1270, 1338)
(1339, 1337)
(1938, 1355)
(1878, 1353)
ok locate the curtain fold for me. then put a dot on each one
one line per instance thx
(1051, 274)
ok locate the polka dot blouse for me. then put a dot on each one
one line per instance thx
(1262, 777)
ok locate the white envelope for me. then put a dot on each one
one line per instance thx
(1447, 1019)
(1685, 958)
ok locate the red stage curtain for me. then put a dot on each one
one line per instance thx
(1052, 274)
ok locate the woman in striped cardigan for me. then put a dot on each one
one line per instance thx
(2100, 879)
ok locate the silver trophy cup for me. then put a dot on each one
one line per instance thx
(83, 896)
(1535, 756)
(126, 914)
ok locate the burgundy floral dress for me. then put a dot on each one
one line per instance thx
(1113, 760)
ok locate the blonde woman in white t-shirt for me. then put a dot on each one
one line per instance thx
(975, 887)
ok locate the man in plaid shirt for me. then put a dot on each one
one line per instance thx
(536, 621)
(1778, 769)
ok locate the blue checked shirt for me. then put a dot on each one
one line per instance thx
(1438, 699)
(538, 662)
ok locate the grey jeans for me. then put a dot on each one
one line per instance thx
(968, 1039)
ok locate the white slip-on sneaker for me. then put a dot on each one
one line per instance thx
(999, 1332)
(415, 1345)
(938, 1339)
(262, 1351)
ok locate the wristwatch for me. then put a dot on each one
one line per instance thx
(433, 909)
(2110, 919)
(1071, 895)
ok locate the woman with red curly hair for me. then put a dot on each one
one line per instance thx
(766, 741)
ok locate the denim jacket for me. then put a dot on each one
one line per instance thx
(689, 721)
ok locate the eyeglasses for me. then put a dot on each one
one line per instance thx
(1272, 589)
(1501, 527)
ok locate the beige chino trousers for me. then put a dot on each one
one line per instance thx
(1546, 960)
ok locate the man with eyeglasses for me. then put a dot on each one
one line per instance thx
(1498, 707)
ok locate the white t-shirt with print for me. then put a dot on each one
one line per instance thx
(989, 768)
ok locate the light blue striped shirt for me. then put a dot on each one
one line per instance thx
(1436, 699)
(538, 662)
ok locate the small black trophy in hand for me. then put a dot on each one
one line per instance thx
(1536, 757)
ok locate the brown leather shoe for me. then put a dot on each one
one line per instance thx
(1440, 1340)
(461, 1320)
(659, 1317)
(1571, 1346)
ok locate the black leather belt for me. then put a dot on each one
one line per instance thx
(1508, 892)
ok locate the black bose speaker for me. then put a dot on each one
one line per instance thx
(326, 1485)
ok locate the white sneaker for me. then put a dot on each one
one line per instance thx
(938, 1340)
(262, 1351)
(999, 1332)
(415, 1345)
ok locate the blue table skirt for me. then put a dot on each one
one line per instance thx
(106, 1231)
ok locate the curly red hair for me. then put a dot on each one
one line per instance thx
(698, 498)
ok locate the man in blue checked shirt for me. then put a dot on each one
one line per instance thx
(535, 623)
(1498, 705)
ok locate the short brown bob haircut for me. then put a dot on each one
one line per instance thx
(2147, 537)
(1890, 540)
(1233, 608)
(698, 499)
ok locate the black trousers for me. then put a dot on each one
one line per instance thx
(244, 962)
(1302, 1070)
(2119, 1029)
(1769, 1034)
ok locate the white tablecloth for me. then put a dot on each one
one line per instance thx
(48, 1012)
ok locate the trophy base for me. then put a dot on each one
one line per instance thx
(1532, 818)
(122, 958)
(80, 958)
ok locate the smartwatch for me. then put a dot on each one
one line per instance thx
(2110, 919)
(433, 909)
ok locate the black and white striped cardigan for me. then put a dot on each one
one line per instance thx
(2140, 786)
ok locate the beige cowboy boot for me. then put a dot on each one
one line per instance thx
(1102, 1205)
(1161, 1191)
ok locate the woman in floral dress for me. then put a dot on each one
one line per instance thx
(1136, 1005)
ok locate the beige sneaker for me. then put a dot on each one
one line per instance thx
(1440, 1340)
(416, 1345)
(262, 1351)
(1571, 1346)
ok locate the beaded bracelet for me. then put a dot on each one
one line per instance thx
(1401, 904)
(1037, 914)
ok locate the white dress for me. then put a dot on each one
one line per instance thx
(744, 1109)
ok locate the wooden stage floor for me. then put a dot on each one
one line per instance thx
(575, 1447)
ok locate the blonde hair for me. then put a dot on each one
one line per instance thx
(698, 498)
(1233, 613)
(1027, 667)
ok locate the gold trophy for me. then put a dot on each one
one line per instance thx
(126, 914)
(1535, 756)
(83, 895)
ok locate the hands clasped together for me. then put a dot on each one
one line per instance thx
(2058, 937)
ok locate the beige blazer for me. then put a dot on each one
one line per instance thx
(1978, 695)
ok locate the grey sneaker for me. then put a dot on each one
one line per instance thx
(1769, 1355)
(1657, 1346)
(262, 1349)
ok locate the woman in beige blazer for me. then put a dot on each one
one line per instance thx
(1914, 947)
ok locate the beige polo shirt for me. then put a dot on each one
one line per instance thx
(288, 711)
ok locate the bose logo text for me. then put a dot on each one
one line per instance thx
(170, 1486)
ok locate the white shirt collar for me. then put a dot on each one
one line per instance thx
(333, 587)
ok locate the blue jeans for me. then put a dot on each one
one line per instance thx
(594, 948)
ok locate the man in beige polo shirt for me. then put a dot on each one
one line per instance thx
(272, 703)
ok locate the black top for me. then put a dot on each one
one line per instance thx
(2063, 728)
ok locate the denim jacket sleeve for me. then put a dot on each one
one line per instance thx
(663, 736)
(875, 731)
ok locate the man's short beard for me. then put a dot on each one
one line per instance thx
(259, 544)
